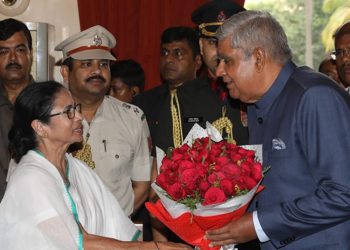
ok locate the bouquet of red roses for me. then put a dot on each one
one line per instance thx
(204, 184)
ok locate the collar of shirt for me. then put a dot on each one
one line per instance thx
(192, 86)
(276, 88)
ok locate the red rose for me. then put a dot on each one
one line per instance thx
(166, 164)
(231, 146)
(222, 160)
(217, 167)
(242, 151)
(236, 157)
(176, 192)
(186, 164)
(201, 143)
(202, 169)
(256, 171)
(221, 144)
(203, 186)
(215, 150)
(231, 170)
(256, 167)
(170, 176)
(192, 153)
(184, 147)
(246, 167)
(162, 181)
(176, 155)
(212, 178)
(202, 156)
(227, 187)
(214, 195)
(249, 182)
(189, 177)
(220, 176)
(250, 159)
(205, 140)
(256, 176)
(250, 153)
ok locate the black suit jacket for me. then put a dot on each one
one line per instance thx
(198, 104)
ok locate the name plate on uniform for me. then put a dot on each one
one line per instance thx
(193, 119)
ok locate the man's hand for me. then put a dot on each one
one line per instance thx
(238, 231)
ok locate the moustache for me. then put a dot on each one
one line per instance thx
(345, 65)
(13, 65)
(169, 66)
(96, 77)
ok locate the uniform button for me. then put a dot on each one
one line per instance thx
(116, 156)
(260, 120)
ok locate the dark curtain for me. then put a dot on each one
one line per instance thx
(137, 25)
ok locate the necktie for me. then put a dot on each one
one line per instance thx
(176, 119)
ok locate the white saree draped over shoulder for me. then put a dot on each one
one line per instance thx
(36, 211)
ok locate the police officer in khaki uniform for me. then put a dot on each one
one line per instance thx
(116, 135)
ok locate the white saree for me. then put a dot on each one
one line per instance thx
(36, 211)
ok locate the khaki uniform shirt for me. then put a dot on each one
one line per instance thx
(119, 138)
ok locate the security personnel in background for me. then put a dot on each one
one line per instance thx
(183, 99)
(190, 97)
(16, 59)
(116, 134)
(208, 18)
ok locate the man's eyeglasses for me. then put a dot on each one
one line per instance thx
(339, 53)
(70, 111)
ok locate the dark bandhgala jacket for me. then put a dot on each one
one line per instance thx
(198, 104)
(303, 124)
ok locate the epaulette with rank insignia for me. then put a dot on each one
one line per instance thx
(125, 105)
(136, 110)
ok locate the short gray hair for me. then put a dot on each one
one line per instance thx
(256, 29)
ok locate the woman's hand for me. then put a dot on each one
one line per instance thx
(94, 242)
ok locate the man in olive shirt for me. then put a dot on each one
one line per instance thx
(15, 65)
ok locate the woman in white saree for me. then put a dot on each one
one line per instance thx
(54, 201)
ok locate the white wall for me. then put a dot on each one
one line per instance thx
(63, 19)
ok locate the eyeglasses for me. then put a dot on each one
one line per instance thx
(339, 53)
(70, 111)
